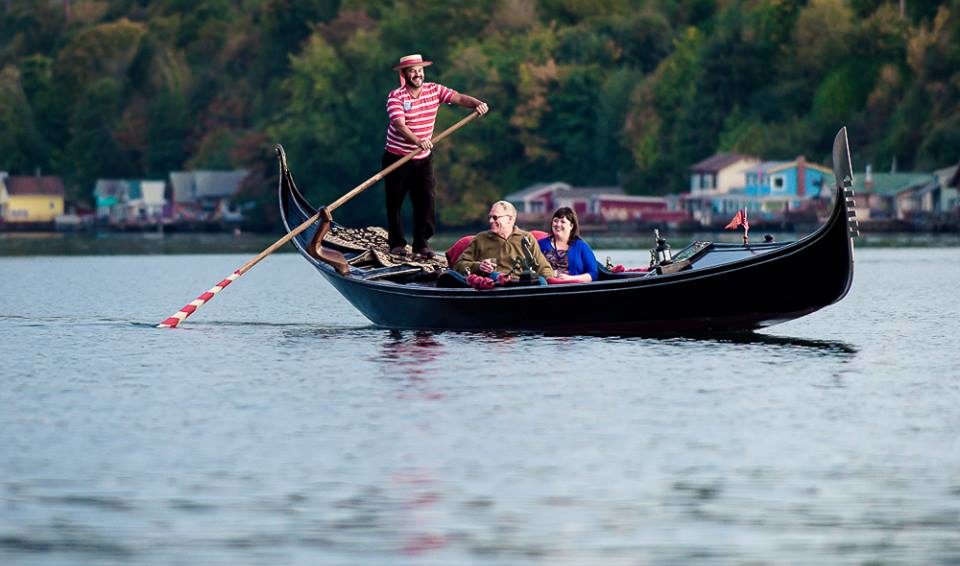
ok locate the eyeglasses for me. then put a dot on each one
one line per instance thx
(494, 218)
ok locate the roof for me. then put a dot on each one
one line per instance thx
(822, 168)
(218, 184)
(926, 188)
(188, 186)
(632, 198)
(110, 188)
(955, 179)
(33, 185)
(563, 190)
(182, 183)
(890, 183)
(720, 161)
(945, 175)
(536, 188)
(587, 192)
(767, 167)
(129, 189)
(774, 166)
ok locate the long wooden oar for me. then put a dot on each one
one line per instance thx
(329, 256)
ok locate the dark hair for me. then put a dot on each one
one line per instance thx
(571, 215)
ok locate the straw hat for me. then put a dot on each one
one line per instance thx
(415, 60)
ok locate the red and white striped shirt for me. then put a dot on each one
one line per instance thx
(419, 114)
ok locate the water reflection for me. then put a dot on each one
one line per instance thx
(418, 353)
(746, 338)
(825, 346)
(411, 357)
(412, 353)
(419, 492)
(412, 360)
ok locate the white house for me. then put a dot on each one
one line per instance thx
(720, 173)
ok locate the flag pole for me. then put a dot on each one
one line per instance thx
(746, 227)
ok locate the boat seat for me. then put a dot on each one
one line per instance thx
(450, 279)
(392, 272)
(605, 274)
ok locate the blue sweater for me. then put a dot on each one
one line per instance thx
(580, 258)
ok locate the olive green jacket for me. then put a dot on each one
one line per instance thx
(490, 245)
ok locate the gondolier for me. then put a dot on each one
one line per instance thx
(412, 111)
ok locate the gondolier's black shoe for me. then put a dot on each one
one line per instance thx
(424, 253)
(399, 250)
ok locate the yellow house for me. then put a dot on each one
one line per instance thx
(36, 199)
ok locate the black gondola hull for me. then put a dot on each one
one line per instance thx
(784, 283)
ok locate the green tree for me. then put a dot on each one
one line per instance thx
(105, 50)
(28, 27)
(934, 58)
(657, 125)
(93, 151)
(47, 109)
(822, 36)
(333, 127)
(168, 126)
(21, 148)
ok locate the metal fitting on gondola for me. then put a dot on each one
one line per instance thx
(660, 255)
(526, 266)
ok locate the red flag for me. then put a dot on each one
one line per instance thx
(739, 220)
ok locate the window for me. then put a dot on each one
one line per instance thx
(778, 183)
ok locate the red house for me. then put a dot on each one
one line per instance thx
(536, 203)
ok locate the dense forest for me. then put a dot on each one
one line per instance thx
(586, 91)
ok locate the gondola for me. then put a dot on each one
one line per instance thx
(707, 287)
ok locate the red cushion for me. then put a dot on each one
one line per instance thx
(558, 281)
(453, 253)
(539, 234)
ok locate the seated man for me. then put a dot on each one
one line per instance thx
(496, 250)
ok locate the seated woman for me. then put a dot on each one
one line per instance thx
(568, 254)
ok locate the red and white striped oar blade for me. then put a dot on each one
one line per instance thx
(186, 311)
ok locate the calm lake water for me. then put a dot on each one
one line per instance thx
(277, 426)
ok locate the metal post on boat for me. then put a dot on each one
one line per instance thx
(661, 254)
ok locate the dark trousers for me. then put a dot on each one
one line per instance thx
(414, 177)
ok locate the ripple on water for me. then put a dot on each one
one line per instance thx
(275, 430)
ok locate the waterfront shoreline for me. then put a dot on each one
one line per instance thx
(73, 244)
